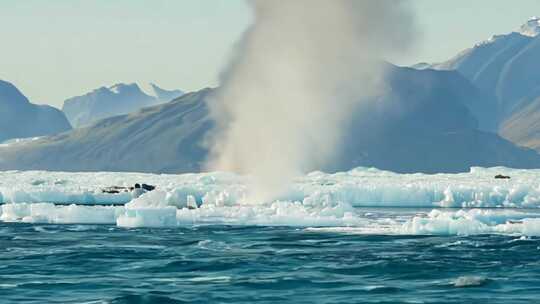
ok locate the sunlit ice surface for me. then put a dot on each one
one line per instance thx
(362, 200)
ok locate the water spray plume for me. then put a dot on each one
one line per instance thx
(296, 76)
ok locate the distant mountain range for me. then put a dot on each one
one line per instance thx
(116, 100)
(508, 67)
(423, 123)
(162, 138)
(21, 119)
(443, 117)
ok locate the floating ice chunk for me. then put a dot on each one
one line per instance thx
(152, 199)
(475, 221)
(531, 226)
(49, 213)
(54, 195)
(148, 217)
(439, 222)
(274, 214)
(14, 212)
(149, 210)
(191, 203)
(470, 281)
(137, 192)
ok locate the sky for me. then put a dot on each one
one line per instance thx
(55, 49)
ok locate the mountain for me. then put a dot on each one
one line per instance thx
(422, 123)
(165, 95)
(523, 126)
(505, 65)
(162, 138)
(116, 100)
(425, 124)
(478, 102)
(492, 65)
(508, 67)
(21, 119)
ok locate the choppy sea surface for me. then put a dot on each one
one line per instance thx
(74, 263)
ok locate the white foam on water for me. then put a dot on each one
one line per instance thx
(219, 279)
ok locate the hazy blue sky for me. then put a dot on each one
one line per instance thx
(55, 49)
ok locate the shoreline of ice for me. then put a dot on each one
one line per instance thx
(315, 200)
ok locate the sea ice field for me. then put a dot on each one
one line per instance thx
(453, 204)
(363, 236)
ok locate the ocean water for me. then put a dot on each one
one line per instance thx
(74, 263)
(362, 236)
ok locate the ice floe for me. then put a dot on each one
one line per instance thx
(328, 202)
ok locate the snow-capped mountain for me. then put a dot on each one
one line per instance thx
(421, 124)
(116, 100)
(488, 65)
(502, 64)
(508, 67)
(505, 65)
(21, 119)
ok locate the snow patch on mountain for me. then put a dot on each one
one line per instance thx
(531, 28)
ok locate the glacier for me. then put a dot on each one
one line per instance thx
(362, 200)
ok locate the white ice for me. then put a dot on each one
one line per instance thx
(324, 201)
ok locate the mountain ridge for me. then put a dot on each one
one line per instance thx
(117, 99)
(19, 118)
(420, 124)
(508, 67)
